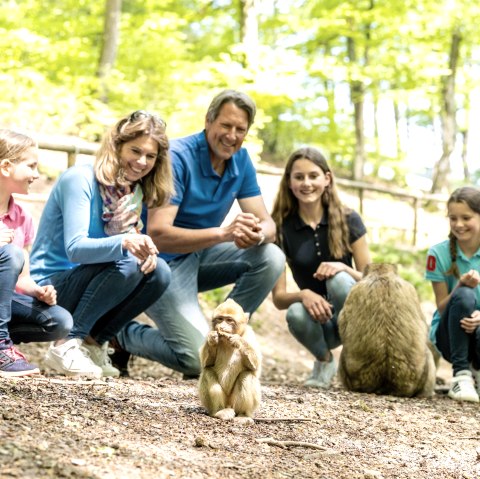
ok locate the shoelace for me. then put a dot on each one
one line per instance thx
(14, 353)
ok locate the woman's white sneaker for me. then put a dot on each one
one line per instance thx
(71, 359)
(99, 355)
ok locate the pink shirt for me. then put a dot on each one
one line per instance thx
(21, 221)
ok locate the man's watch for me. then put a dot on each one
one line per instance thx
(262, 239)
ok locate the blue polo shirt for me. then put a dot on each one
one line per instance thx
(203, 197)
(439, 262)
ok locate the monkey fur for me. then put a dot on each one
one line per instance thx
(229, 384)
(385, 337)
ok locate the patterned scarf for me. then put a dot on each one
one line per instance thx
(122, 208)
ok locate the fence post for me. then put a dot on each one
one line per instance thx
(415, 220)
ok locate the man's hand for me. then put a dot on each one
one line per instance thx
(245, 230)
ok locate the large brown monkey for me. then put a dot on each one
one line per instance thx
(229, 383)
(385, 337)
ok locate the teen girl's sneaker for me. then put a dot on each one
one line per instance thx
(99, 355)
(322, 374)
(71, 359)
(13, 363)
(463, 387)
(476, 378)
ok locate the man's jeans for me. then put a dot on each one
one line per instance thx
(104, 297)
(22, 318)
(181, 325)
(320, 338)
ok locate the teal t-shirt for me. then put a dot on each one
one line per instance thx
(439, 262)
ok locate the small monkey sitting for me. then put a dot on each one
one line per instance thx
(229, 383)
(385, 337)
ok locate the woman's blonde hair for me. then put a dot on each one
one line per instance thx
(286, 203)
(13, 144)
(157, 185)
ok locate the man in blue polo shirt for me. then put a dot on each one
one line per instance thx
(211, 171)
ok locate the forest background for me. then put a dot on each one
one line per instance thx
(386, 89)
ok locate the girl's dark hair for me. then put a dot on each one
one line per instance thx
(286, 203)
(470, 196)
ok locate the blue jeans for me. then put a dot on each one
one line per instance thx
(320, 338)
(24, 319)
(181, 326)
(456, 345)
(104, 297)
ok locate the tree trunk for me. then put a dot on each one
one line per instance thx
(448, 120)
(356, 95)
(113, 10)
(249, 33)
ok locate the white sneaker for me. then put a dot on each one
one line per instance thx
(322, 374)
(99, 355)
(71, 359)
(463, 388)
(476, 378)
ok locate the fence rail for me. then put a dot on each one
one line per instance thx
(415, 199)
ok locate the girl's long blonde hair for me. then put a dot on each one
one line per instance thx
(157, 186)
(286, 203)
(470, 196)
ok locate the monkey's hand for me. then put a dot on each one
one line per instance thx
(212, 338)
(470, 279)
(316, 305)
(328, 270)
(470, 324)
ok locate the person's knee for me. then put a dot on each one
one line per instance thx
(13, 255)
(275, 258)
(465, 296)
(339, 286)
(162, 276)
(63, 324)
(296, 317)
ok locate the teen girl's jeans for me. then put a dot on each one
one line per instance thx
(24, 319)
(104, 297)
(320, 338)
(456, 345)
(181, 325)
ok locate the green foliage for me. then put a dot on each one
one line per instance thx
(173, 56)
(410, 264)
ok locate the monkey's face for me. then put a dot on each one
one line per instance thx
(229, 318)
(225, 324)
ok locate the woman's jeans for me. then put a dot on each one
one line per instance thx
(24, 319)
(320, 338)
(181, 326)
(104, 297)
(456, 345)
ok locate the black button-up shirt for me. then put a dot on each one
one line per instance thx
(306, 248)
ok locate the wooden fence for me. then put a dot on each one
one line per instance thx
(415, 200)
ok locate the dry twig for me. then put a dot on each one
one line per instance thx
(286, 444)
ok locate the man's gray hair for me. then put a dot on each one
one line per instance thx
(241, 100)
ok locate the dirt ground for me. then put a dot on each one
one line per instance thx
(152, 426)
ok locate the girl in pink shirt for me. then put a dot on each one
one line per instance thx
(28, 312)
